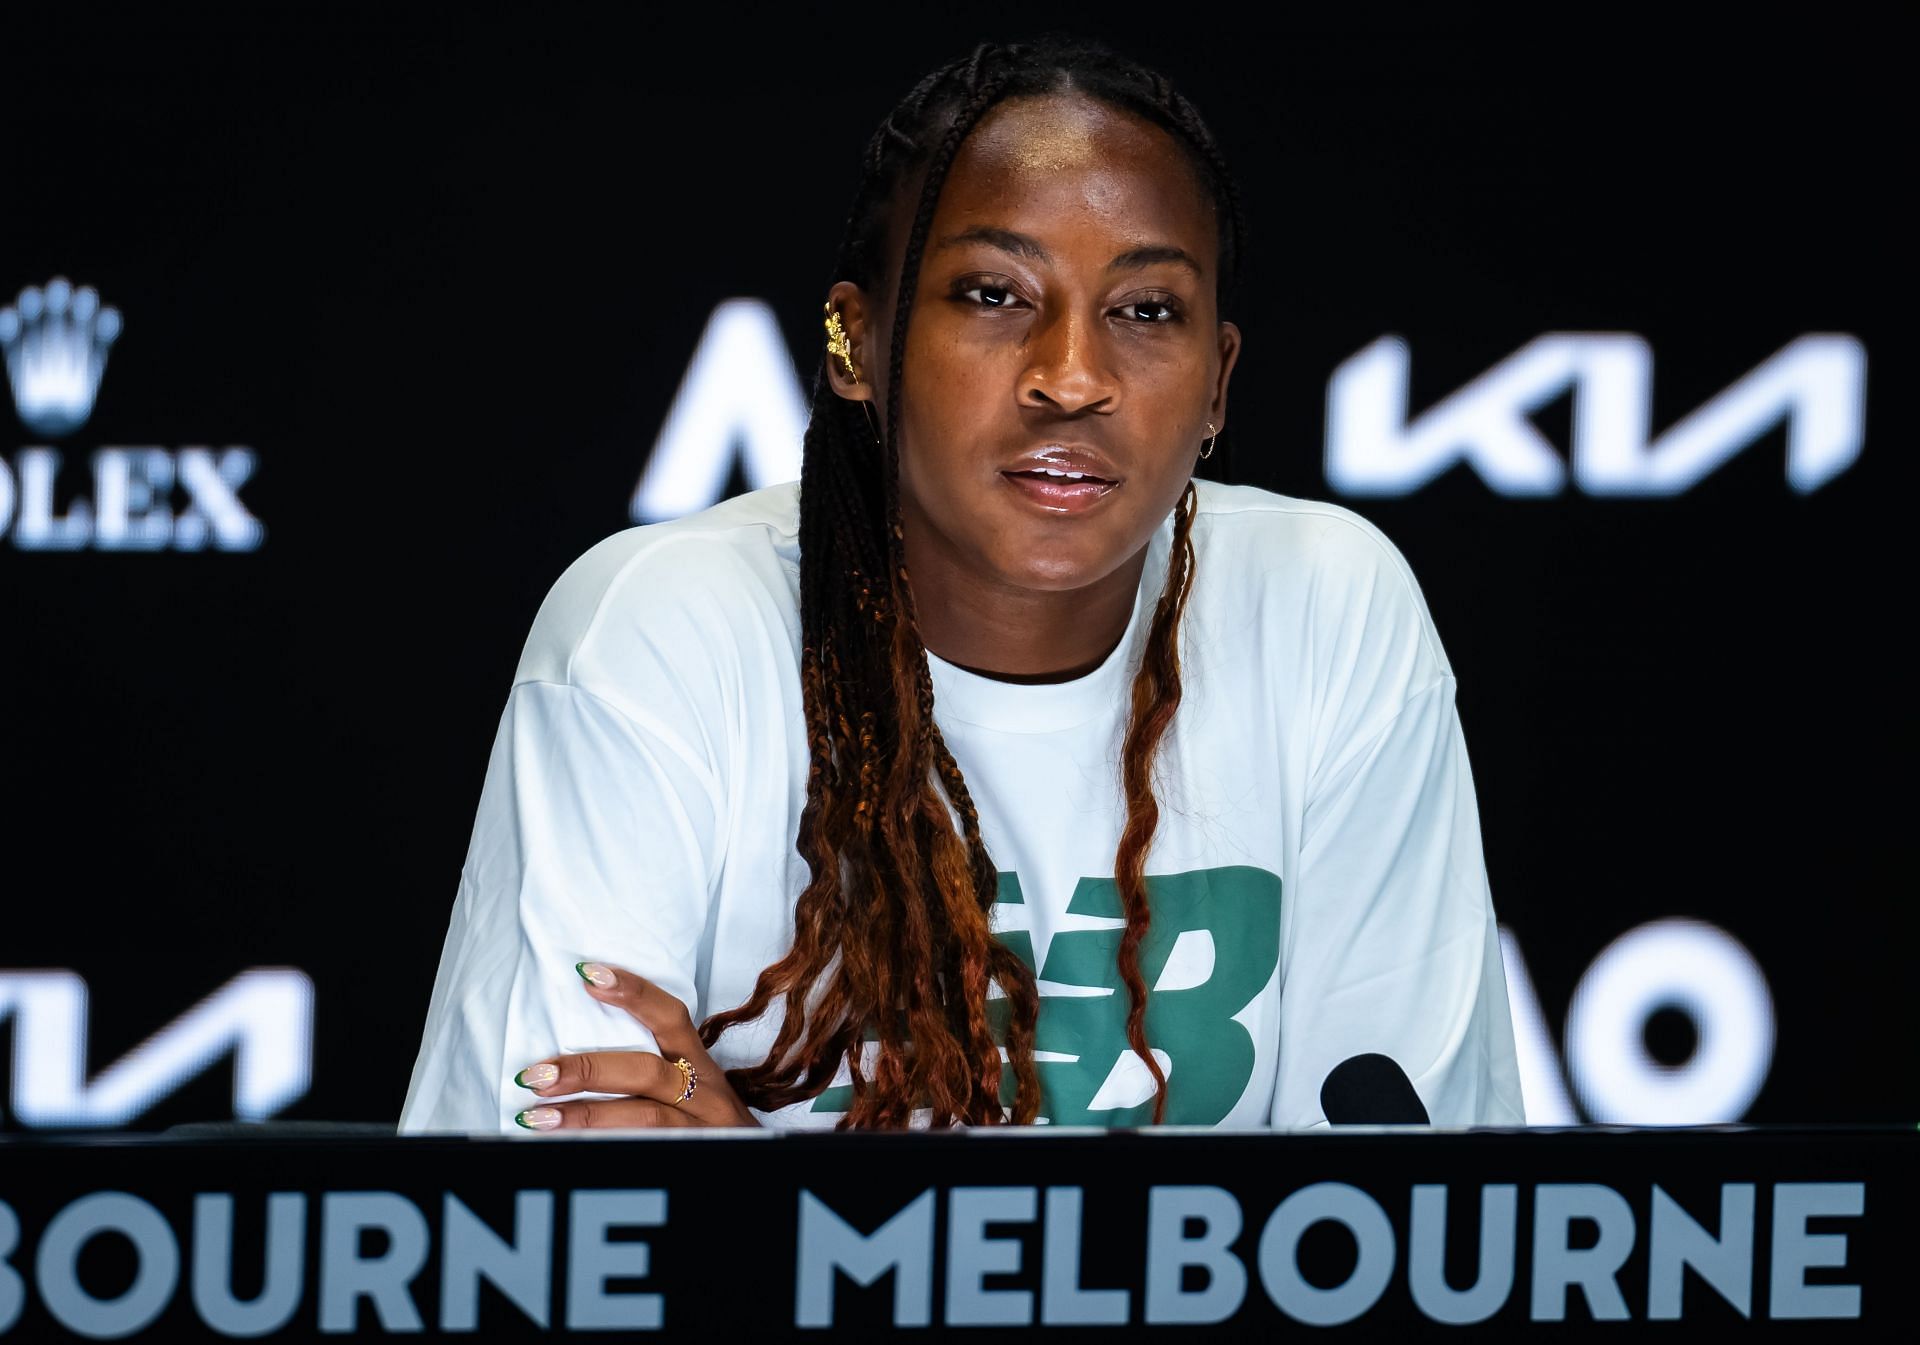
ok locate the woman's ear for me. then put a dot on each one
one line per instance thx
(848, 302)
(1229, 355)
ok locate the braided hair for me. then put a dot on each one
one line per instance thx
(893, 953)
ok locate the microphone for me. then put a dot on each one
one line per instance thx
(1371, 1090)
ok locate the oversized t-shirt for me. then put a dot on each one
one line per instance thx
(1316, 882)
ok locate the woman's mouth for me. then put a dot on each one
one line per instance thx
(1060, 492)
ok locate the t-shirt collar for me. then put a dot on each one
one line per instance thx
(1047, 707)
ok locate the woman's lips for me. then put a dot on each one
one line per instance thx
(1060, 494)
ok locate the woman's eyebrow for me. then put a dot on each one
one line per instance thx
(1135, 259)
(1018, 244)
(1023, 245)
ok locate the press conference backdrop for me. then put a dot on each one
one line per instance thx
(327, 348)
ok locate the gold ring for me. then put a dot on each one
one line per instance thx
(692, 1077)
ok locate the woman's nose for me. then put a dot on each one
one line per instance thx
(1068, 369)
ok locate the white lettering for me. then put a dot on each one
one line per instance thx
(521, 1269)
(56, 1266)
(1687, 965)
(130, 510)
(1360, 1214)
(284, 1255)
(1543, 1089)
(129, 489)
(1557, 1265)
(346, 1276)
(1170, 1251)
(972, 1255)
(13, 1291)
(1795, 1250)
(903, 1244)
(740, 394)
(1675, 1241)
(264, 1016)
(592, 1260)
(1062, 1301)
(1817, 383)
(1372, 449)
(1427, 1255)
(39, 528)
(214, 511)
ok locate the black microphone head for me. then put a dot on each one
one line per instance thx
(1371, 1090)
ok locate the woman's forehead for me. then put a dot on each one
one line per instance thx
(1075, 161)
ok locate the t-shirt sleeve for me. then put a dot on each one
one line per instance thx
(1393, 948)
(599, 833)
(593, 841)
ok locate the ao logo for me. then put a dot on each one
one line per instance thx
(55, 340)
(741, 397)
(1681, 965)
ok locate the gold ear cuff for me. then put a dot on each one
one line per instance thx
(837, 343)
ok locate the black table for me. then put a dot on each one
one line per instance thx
(985, 1234)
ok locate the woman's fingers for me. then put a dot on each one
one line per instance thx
(659, 1011)
(642, 1073)
(604, 1114)
(628, 1073)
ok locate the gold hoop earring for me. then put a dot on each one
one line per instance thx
(837, 343)
(1212, 434)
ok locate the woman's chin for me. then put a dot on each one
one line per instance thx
(1064, 571)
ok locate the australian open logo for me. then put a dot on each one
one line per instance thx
(55, 339)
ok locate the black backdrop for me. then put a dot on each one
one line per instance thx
(443, 278)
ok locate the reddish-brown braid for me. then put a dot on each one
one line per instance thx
(893, 954)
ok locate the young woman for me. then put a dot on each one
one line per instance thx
(1001, 771)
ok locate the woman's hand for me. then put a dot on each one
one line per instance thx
(653, 1088)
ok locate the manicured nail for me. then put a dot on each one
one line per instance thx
(595, 974)
(539, 1118)
(537, 1076)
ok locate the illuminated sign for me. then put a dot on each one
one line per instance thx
(55, 340)
(263, 1017)
(1680, 965)
(740, 398)
(1816, 383)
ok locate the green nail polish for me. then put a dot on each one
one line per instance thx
(580, 968)
(521, 1080)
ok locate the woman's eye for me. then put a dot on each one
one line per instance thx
(989, 296)
(1150, 310)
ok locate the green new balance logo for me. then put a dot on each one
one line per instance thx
(1238, 907)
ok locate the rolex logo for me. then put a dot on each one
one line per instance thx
(121, 497)
(55, 341)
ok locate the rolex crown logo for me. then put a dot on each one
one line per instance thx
(55, 341)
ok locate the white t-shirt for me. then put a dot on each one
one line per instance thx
(1316, 879)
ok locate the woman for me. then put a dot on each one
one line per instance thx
(1102, 796)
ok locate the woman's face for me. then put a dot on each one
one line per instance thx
(1065, 319)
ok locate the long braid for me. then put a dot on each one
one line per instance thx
(893, 956)
(1156, 695)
